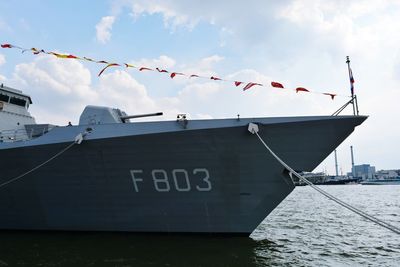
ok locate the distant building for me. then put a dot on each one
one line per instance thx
(387, 174)
(364, 171)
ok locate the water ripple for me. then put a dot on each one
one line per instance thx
(311, 228)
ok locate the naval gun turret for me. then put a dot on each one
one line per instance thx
(92, 115)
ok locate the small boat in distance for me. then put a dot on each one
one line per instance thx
(182, 176)
(394, 181)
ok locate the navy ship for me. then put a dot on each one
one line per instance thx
(184, 176)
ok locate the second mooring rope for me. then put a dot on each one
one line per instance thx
(254, 130)
(78, 140)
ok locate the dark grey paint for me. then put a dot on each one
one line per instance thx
(89, 187)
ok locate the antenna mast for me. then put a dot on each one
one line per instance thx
(353, 100)
(353, 96)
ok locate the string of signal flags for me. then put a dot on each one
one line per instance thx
(172, 74)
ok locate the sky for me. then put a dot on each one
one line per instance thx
(300, 43)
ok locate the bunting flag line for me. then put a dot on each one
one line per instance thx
(173, 74)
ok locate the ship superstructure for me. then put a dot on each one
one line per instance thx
(16, 123)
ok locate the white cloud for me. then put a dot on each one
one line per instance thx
(60, 86)
(172, 17)
(163, 62)
(4, 26)
(64, 87)
(203, 67)
(2, 59)
(298, 43)
(119, 89)
(199, 92)
(103, 29)
(357, 27)
(24, 24)
(208, 62)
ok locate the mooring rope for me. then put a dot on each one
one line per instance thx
(253, 128)
(78, 140)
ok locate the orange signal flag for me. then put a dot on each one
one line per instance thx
(129, 65)
(63, 55)
(108, 65)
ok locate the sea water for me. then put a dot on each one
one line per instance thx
(306, 229)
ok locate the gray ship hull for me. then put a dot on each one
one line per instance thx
(204, 177)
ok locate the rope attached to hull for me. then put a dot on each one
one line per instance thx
(253, 128)
(78, 140)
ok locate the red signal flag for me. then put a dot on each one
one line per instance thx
(301, 89)
(238, 83)
(193, 75)
(277, 85)
(215, 78)
(175, 73)
(6, 46)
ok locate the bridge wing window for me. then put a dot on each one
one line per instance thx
(4, 98)
(17, 101)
